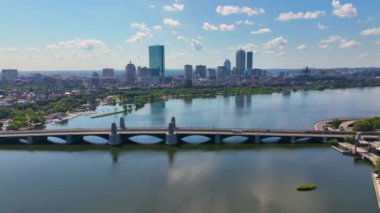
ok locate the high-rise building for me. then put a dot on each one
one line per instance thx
(95, 81)
(240, 61)
(211, 74)
(130, 71)
(157, 58)
(108, 73)
(249, 60)
(188, 75)
(227, 64)
(201, 71)
(222, 73)
(9, 75)
(142, 71)
(188, 72)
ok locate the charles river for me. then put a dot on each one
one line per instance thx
(195, 177)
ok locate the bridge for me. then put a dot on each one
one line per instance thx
(172, 135)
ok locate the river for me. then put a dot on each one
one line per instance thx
(198, 178)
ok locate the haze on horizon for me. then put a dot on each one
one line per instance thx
(93, 34)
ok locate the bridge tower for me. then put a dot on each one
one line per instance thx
(114, 138)
(122, 123)
(171, 136)
(174, 123)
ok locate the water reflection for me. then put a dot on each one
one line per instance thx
(207, 178)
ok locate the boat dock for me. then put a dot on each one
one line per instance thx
(360, 151)
(345, 152)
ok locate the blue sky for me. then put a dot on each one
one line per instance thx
(93, 34)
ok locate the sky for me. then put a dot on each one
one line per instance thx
(94, 34)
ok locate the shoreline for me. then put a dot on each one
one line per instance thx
(376, 185)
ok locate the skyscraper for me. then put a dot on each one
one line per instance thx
(108, 73)
(249, 60)
(201, 70)
(189, 75)
(130, 70)
(157, 58)
(227, 64)
(240, 61)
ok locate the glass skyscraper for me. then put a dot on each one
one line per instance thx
(157, 58)
(249, 60)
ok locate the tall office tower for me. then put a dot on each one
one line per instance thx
(211, 74)
(249, 60)
(240, 61)
(108, 73)
(157, 58)
(9, 75)
(222, 72)
(95, 81)
(189, 75)
(201, 71)
(130, 71)
(227, 64)
(188, 72)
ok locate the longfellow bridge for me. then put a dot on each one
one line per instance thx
(171, 135)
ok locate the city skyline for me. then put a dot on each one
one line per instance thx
(93, 34)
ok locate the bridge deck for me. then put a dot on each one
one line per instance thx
(185, 131)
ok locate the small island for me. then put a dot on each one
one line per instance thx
(306, 187)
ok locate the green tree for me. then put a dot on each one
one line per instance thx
(336, 123)
(363, 125)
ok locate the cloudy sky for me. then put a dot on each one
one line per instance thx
(92, 34)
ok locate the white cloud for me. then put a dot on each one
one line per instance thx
(348, 44)
(249, 47)
(139, 26)
(371, 31)
(222, 27)
(8, 50)
(171, 22)
(261, 31)
(279, 54)
(225, 27)
(139, 37)
(207, 26)
(344, 43)
(32, 49)
(364, 55)
(321, 26)
(175, 7)
(345, 10)
(195, 43)
(157, 27)
(230, 10)
(300, 15)
(323, 46)
(77, 43)
(276, 43)
(331, 39)
(301, 47)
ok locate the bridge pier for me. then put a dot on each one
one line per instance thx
(217, 139)
(114, 138)
(256, 139)
(29, 140)
(171, 139)
(293, 140)
(324, 139)
(122, 123)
